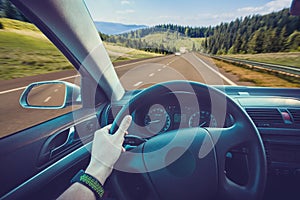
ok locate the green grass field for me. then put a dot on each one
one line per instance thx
(25, 51)
(288, 59)
(118, 53)
(22, 55)
(18, 25)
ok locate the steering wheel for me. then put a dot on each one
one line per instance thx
(190, 163)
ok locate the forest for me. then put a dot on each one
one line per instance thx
(275, 32)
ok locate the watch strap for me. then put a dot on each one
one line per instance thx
(90, 182)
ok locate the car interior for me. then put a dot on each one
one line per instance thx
(188, 140)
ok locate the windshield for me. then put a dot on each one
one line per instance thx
(250, 43)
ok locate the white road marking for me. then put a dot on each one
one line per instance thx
(69, 77)
(137, 84)
(143, 61)
(47, 99)
(22, 88)
(169, 63)
(159, 70)
(12, 90)
(215, 71)
(152, 74)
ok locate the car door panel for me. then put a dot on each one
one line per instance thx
(59, 172)
(39, 154)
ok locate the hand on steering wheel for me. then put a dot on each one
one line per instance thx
(107, 149)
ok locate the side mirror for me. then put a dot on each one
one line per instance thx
(50, 95)
(295, 8)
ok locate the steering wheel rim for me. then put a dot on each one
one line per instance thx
(221, 141)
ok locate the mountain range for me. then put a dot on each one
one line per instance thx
(110, 28)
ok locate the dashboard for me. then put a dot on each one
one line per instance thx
(274, 111)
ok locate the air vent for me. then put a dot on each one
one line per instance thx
(296, 115)
(265, 117)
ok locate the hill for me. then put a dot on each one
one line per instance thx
(274, 32)
(110, 28)
(25, 51)
(173, 41)
(165, 42)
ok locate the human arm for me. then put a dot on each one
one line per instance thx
(106, 150)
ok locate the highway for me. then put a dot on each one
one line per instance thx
(133, 75)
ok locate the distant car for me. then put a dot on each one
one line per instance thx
(177, 54)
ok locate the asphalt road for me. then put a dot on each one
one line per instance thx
(133, 75)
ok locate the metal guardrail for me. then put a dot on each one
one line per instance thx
(286, 70)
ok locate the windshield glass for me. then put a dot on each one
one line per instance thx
(251, 43)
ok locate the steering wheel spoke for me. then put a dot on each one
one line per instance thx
(130, 179)
(228, 138)
(239, 136)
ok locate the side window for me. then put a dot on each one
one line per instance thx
(27, 56)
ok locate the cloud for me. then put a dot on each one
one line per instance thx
(128, 11)
(274, 5)
(125, 2)
(250, 9)
(278, 4)
(205, 19)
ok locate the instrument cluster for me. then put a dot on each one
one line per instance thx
(158, 118)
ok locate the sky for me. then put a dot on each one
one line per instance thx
(181, 12)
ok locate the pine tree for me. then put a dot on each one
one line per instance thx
(283, 39)
(257, 42)
(10, 10)
(293, 42)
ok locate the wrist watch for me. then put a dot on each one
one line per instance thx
(90, 182)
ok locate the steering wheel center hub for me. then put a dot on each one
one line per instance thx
(182, 164)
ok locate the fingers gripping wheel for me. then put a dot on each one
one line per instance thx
(114, 127)
(124, 125)
(242, 132)
(121, 123)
